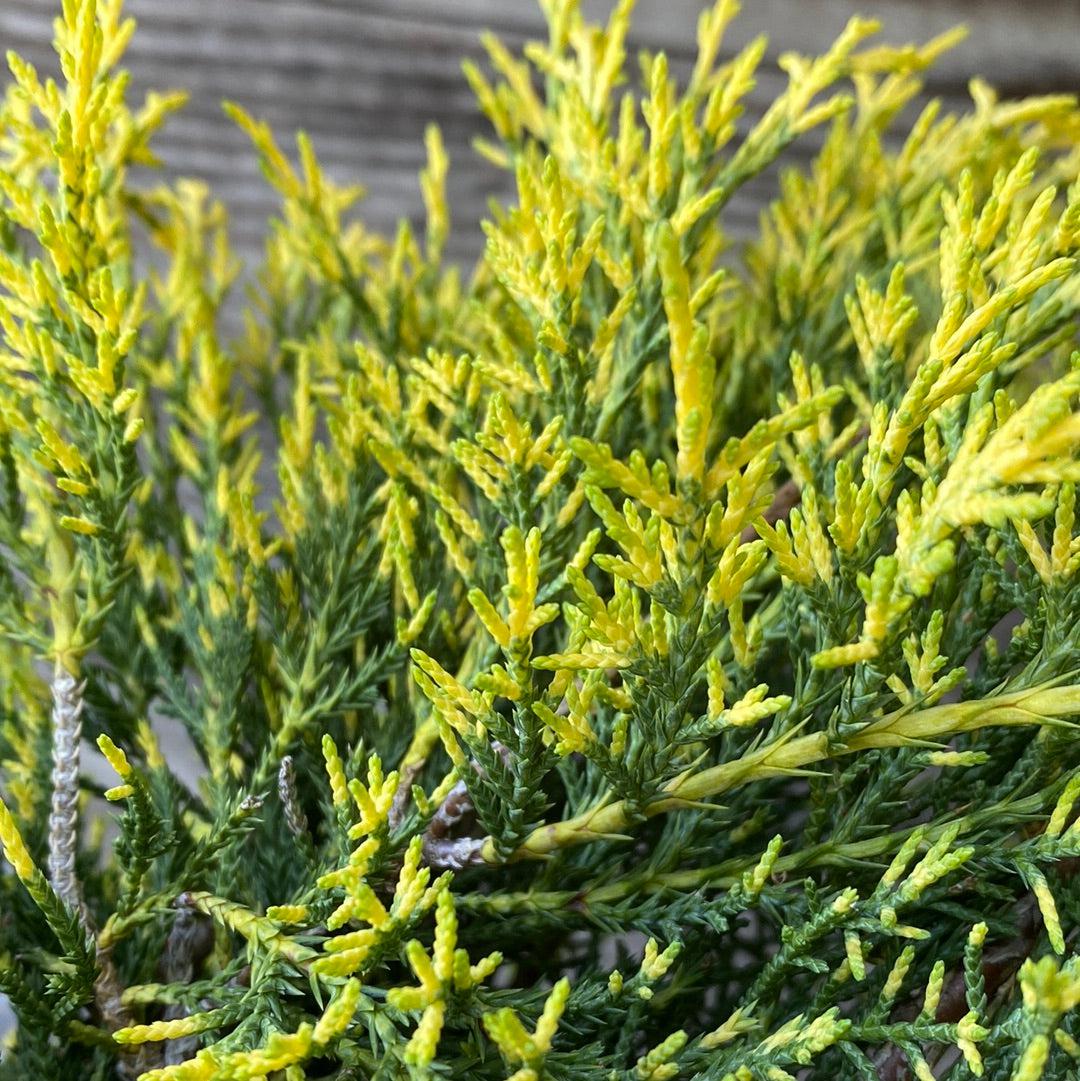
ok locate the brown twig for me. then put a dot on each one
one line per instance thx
(440, 849)
(784, 502)
(189, 942)
(401, 795)
(443, 851)
(788, 495)
(295, 818)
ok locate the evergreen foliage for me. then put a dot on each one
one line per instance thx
(632, 662)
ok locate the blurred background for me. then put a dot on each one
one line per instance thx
(363, 77)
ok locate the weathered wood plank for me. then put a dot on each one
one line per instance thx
(363, 78)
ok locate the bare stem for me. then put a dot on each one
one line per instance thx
(295, 818)
(440, 849)
(67, 696)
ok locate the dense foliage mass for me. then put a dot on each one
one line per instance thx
(632, 663)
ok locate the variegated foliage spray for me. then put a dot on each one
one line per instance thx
(637, 659)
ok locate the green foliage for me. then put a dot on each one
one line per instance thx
(633, 662)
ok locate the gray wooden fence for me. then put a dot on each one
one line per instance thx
(363, 77)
